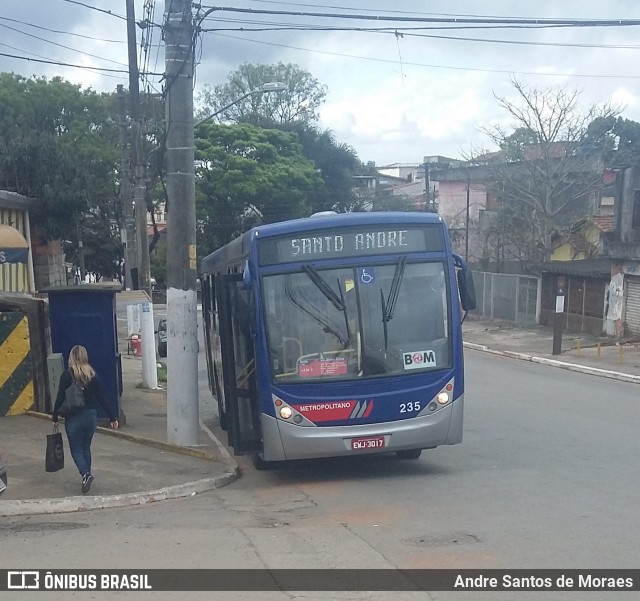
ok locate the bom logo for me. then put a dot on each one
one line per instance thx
(419, 359)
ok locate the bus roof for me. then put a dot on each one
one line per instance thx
(239, 247)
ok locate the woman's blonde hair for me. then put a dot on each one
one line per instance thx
(79, 366)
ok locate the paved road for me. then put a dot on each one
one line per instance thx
(547, 477)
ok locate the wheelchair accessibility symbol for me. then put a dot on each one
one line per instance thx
(366, 275)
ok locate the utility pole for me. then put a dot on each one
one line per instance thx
(147, 329)
(466, 237)
(426, 187)
(126, 197)
(182, 352)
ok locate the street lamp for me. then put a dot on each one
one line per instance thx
(275, 86)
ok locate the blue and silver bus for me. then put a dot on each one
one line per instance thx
(337, 334)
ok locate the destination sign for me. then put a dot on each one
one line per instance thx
(335, 243)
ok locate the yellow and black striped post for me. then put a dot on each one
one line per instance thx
(16, 372)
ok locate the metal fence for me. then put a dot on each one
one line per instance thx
(505, 296)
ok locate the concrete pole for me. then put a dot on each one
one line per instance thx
(182, 358)
(466, 227)
(126, 195)
(147, 333)
(149, 370)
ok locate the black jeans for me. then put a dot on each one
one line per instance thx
(80, 430)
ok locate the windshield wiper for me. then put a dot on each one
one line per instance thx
(336, 301)
(312, 312)
(389, 306)
(322, 285)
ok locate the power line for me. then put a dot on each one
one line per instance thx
(407, 31)
(100, 10)
(70, 33)
(61, 64)
(457, 20)
(62, 45)
(528, 42)
(404, 12)
(431, 66)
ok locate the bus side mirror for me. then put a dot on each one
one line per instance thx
(466, 286)
(246, 276)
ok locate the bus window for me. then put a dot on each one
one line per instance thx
(357, 322)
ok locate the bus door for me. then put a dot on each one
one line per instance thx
(241, 398)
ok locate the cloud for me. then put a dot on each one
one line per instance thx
(393, 98)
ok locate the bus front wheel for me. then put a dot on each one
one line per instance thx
(260, 464)
(222, 415)
(410, 454)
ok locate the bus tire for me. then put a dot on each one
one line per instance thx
(222, 416)
(410, 454)
(260, 464)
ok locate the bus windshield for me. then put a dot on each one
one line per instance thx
(356, 322)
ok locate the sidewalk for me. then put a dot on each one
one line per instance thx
(132, 466)
(580, 352)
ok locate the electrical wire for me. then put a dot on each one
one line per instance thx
(59, 63)
(31, 35)
(406, 31)
(101, 10)
(404, 12)
(430, 66)
(456, 20)
(69, 33)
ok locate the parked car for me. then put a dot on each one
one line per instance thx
(3, 477)
(162, 338)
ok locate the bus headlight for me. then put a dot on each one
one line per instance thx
(285, 412)
(442, 398)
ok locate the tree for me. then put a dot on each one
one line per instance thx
(299, 102)
(386, 201)
(59, 145)
(616, 139)
(248, 175)
(546, 165)
(336, 163)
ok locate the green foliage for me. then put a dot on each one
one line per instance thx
(101, 244)
(248, 175)
(614, 138)
(159, 265)
(550, 166)
(514, 145)
(293, 110)
(162, 373)
(299, 102)
(336, 163)
(385, 201)
(59, 145)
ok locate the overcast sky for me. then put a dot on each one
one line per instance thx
(393, 98)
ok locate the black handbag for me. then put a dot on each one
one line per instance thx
(73, 400)
(54, 455)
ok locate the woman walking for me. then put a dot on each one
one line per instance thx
(81, 425)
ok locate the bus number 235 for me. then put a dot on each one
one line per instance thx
(410, 407)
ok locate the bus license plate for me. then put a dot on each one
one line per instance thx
(372, 442)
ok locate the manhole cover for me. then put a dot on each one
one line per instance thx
(429, 540)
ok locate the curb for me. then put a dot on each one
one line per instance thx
(592, 371)
(17, 507)
(151, 442)
(73, 504)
